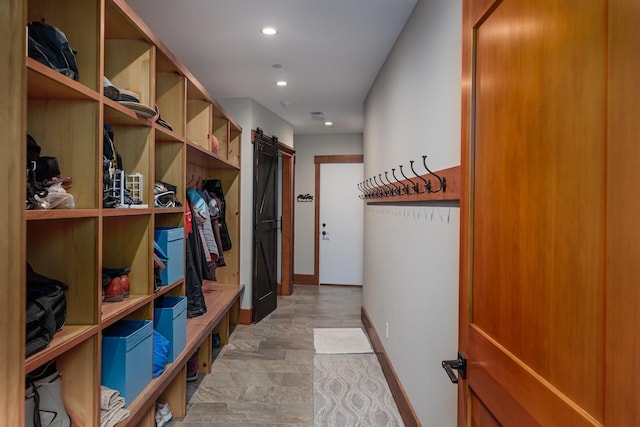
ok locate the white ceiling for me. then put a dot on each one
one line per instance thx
(330, 51)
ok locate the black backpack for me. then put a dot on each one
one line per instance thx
(39, 169)
(46, 310)
(49, 46)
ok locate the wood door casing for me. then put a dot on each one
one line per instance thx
(287, 224)
(533, 210)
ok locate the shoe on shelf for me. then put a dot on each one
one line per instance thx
(192, 367)
(126, 286)
(163, 414)
(113, 291)
(215, 339)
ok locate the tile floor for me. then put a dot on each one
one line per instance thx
(264, 377)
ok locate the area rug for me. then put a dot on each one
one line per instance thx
(350, 390)
(340, 341)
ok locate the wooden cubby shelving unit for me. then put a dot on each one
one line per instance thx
(66, 118)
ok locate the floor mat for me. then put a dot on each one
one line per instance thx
(340, 341)
(350, 390)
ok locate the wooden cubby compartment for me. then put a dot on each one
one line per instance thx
(80, 21)
(234, 144)
(134, 145)
(230, 179)
(169, 166)
(129, 57)
(67, 130)
(199, 122)
(171, 92)
(221, 131)
(66, 250)
(126, 243)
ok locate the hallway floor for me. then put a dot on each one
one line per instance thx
(264, 376)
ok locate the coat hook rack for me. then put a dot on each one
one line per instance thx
(380, 188)
(442, 181)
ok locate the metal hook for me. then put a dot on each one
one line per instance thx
(364, 189)
(403, 188)
(443, 180)
(395, 189)
(414, 185)
(361, 190)
(426, 183)
(372, 189)
(387, 191)
(380, 191)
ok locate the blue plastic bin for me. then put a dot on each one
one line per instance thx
(170, 320)
(171, 241)
(127, 357)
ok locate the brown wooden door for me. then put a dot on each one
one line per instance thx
(534, 213)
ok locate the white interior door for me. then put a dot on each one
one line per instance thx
(341, 224)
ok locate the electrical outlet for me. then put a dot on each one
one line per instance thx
(386, 330)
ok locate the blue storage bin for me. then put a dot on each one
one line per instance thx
(170, 320)
(127, 357)
(171, 241)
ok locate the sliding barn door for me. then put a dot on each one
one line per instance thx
(533, 315)
(265, 214)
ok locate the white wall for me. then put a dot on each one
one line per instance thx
(307, 147)
(251, 115)
(411, 252)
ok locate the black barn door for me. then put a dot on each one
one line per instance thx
(265, 211)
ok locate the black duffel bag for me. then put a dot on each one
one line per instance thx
(46, 310)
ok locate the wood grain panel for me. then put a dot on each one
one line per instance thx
(623, 211)
(534, 108)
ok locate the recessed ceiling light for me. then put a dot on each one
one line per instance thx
(269, 31)
(277, 65)
(281, 83)
(328, 123)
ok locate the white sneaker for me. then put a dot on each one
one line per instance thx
(163, 414)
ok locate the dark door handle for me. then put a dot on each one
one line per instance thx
(324, 233)
(460, 364)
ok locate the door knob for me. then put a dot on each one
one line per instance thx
(324, 233)
(460, 364)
